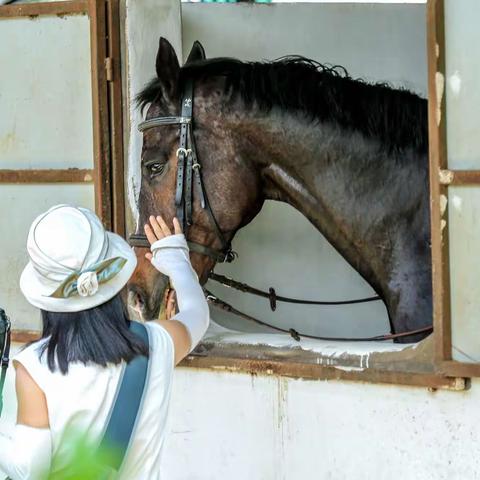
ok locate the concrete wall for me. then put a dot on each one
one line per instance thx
(280, 248)
(236, 427)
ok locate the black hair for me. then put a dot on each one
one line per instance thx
(321, 92)
(99, 335)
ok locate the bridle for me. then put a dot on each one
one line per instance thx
(189, 174)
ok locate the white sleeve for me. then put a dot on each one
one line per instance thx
(28, 454)
(171, 257)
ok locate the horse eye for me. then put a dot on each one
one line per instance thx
(155, 168)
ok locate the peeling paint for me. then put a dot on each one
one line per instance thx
(443, 204)
(440, 86)
(350, 369)
(331, 349)
(446, 177)
(443, 224)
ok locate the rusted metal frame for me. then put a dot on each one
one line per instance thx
(321, 372)
(459, 177)
(438, 191)
(100, 105)
(114, 78)
(69, 175)
(454, 368)
(44, 9)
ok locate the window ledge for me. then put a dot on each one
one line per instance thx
(277, 354)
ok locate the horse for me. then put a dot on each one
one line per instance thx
(350, 155)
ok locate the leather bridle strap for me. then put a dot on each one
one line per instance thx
(140, 241)
(224, 306)
(183, 195)
(161, 122)
(274, 298)
(188, 166)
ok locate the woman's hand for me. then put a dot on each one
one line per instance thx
(170, 256)
(158, 229)
(154, 231)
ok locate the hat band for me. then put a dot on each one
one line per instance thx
(85, 282)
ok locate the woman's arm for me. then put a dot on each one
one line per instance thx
(171, 257)
(27, 454)
(32, 405)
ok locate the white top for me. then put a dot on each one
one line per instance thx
(82, 400)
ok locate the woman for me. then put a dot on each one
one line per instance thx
(66, 382)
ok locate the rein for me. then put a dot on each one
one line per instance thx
(224, 306)
(189, 175)
(274, 298)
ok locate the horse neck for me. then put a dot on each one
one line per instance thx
(349, 187)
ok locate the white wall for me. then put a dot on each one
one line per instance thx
(280, 248)
(237, 427)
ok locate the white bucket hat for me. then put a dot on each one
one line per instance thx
(74, 263)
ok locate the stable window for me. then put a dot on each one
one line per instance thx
(384, 42)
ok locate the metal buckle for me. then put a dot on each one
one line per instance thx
(185, 151)
(196, 166)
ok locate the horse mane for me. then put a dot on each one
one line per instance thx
(397, 117)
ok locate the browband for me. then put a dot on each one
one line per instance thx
(155, 122)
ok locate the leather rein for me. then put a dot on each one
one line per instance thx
(189, 175)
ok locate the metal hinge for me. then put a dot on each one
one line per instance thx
(109, 68)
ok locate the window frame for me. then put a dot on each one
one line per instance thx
(107, 174)
(441, 178)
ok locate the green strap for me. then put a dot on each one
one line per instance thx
(126, 408)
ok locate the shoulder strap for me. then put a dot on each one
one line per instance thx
(126, 406)
(5, 352)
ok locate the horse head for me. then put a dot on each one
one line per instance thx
(232, 184)
(338, 149)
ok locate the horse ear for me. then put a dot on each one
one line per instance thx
(196, 53)
(167, 66)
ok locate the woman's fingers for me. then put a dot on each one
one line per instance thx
(165, 229)
(157, 229)
(151, 237)
(149, 256)
(176, 226)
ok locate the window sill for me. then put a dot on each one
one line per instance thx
(277, 354)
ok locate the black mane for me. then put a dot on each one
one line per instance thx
(397, 117)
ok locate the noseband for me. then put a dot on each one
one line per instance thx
(188, 175)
